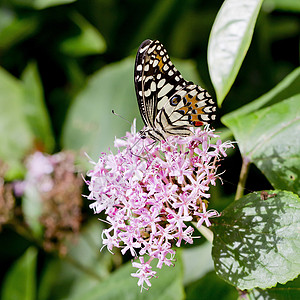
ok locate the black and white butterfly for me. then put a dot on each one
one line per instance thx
(169, 105)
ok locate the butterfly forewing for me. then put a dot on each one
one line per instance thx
(156, 79)
(168, 104)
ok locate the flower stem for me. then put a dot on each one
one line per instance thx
(207, 233)
(243, 177)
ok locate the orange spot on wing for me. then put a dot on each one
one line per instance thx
(194, 101)
(160, 62)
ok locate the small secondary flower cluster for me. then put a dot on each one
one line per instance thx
(56, 187)
(39, 173)
(150, 191)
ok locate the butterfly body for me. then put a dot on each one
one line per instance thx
(169, 105)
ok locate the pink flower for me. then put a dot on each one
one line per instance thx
(151, 192)
(205, 215)
(144, 273)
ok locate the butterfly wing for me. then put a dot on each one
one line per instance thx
(168, 104)
(190, 106)
(156, 79)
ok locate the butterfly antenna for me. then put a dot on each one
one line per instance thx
(121, 117)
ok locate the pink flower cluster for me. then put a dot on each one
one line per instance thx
(40, 167)
(150, 192)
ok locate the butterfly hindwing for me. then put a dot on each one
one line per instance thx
(168, 104)
(192, 105)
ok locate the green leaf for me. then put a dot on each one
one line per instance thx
(16, 138)
(90, 125)
(210, 287)
(41, 4)
(269, 138)
(88, 42)
(78, 271)
(32, 209)
(14, 29)
(287, 88)
(20, 282)
(256, 240)
(229, 41)
(35, 109)
(291, 290)
(285, 5)
(121, 285)
(197, 261)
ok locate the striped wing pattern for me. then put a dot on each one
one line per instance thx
(169, 105)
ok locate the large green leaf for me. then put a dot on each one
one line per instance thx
(256, 240)
(229, 41)
(287, 88)
(90, 125)
(16, 137)
(35, 109)
(20, 282)
(121, 285)
(270, 138)
(88, 41)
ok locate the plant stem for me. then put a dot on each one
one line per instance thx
(243, 177)
(207, 233)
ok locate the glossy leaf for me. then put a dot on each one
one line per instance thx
(89, 41)
(229, 42)
(20, 282)
(35, 110)
(270, 139)
(256, 240)
(90, 124)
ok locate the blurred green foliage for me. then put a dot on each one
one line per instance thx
(66, 64)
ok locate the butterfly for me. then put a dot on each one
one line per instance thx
(169, 105)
